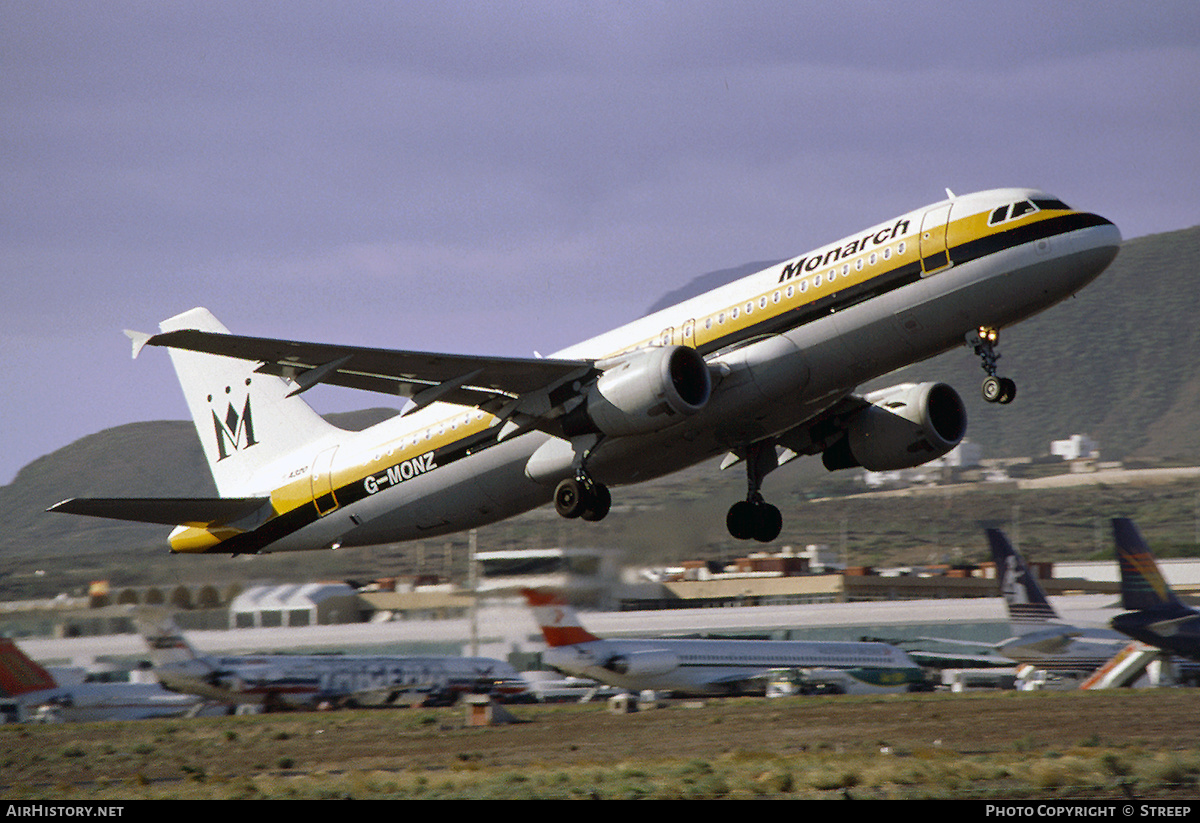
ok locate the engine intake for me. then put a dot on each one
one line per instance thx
(902, 427)
(641, 392)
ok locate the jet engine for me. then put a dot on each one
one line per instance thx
(638, 664)
(641, 392)
(900, 428)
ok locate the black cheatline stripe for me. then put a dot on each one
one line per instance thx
(306, 514)
(1028, 233)
(839, 300)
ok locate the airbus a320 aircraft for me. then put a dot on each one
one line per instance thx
(763, 369)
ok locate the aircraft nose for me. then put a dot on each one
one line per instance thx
(1105, 232)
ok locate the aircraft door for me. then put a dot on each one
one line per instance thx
(322, 482)
(934, 253)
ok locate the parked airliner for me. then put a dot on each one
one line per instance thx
(1156, 616)
(296, 681)
(1041, 638)
(689, 666)
(31, 692)
(763, 370)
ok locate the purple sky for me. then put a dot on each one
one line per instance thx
(501, 178)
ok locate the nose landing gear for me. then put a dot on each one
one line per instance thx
(995, 389)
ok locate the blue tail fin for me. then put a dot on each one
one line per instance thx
(1143, 587)
(1027, 603)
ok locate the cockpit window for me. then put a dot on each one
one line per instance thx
(1023, 207)
(1051, 204)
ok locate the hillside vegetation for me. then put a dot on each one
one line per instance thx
(1118, 362)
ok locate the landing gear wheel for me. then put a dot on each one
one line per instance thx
(756, 520)
(569, 498)
(580, 497)
(740, 520)
(768, 523)
(991, 389)
(999, 389)
(598, 505)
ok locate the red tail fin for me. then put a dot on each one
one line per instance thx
(19, 674)
(557, 620)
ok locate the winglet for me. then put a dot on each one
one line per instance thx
(139, 341)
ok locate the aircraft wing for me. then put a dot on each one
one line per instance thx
(492, 384)
(179, 511)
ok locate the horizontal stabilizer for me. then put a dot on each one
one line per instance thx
(167, 511)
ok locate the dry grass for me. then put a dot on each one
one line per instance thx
(1054, 745)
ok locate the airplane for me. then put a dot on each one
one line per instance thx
(699, 667)
(763, 370)
(31, 693)
(1155, 615)
(1041, 638)
(276, 682)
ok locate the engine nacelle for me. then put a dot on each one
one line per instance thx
(641, 664)
(903, 427)
(643, 391)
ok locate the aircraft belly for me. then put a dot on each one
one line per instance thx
(474, 491)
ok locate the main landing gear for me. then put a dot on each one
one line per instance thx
(995, 389)
(581, 496)
(754, 517)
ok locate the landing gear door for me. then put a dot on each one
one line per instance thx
(322, 482)
(934, 254)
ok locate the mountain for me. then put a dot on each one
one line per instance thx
(1118, 363)
(156, 459)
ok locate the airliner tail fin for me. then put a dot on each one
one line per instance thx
(1027, 605)
(1143, 587)
(558, 621)
(20, 675)
(245, 419)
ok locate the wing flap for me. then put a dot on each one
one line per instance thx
(488, 382)
(167, 511)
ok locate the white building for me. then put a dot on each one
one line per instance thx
(1076, 447)
(584, 576)
(307, 604)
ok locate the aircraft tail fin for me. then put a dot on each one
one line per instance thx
(558, 621)
(1143, 587)
(20, 675)
(245, 419)
(1024, 597)
(164, 639)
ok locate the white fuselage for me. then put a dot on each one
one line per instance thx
(785, 345)
(706, 667)
(308, 680)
